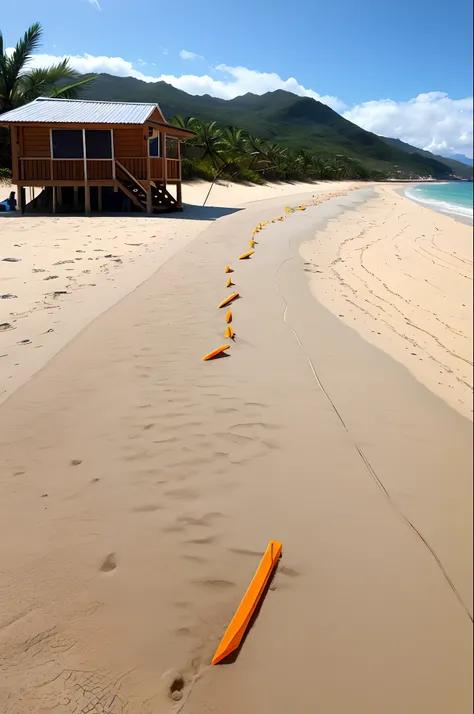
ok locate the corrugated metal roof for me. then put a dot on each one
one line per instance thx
(79, 111)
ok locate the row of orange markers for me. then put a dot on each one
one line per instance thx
(229, 331)
(235, 632)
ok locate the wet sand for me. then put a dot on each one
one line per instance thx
(141, 485)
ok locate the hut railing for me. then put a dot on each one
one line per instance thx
(72, 170)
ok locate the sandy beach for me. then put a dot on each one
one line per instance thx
(140, 485)
(401, 275)
(59, 273)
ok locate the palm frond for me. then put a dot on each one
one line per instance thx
(72, 90)
(14, 65)
(41, 81)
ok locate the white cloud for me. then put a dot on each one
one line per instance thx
(96, 4)
(232, 81)
(431, 121)
(87, 63)
(186, 55)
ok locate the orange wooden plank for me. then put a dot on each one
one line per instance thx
(216, 352)
(240, 621)
(229, 299)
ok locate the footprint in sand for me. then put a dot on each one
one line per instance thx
(203, 521)
(184, 494)
(243, 551)
(215, 583)
(148, 508)
(206, 540)
(289, 572)
(173, 682)
(109, 563)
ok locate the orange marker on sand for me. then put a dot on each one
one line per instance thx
(246, 255)
(229, 299)
(240, 621)
(214, 353)
(228, 317)
(228, 283)
(229, 332)
(228, 269)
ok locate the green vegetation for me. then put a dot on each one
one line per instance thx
(280, 117)
(234, 154)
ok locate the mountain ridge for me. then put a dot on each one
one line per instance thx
(454, 164)
(288, 119)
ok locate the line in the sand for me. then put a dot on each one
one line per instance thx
(363, 457)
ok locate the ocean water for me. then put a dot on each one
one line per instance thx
(454, 198)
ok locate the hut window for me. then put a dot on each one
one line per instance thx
(98, 144)
(67, 144)
(154, 145)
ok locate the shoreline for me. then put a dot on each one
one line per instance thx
(152, 482)
(467, 220)
(401, 276)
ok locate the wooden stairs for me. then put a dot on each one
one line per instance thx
(162, 200)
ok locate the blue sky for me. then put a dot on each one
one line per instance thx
(354, 54)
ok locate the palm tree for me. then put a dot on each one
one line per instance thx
(275, 157)
(235, 145)
(256, 150)
(233, 150)
(306, 162)
(209, 142)
(18, 85)
(178, 120)
(209, 139)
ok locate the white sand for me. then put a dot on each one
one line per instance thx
(71, 269)
(401, 275)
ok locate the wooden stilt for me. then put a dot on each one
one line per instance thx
(87, 199)
(163, 154)
(75, 198)
(55, 199)
(21, 199)
(99, 198)
(179, 195)
(149, 202)
(59, 197)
